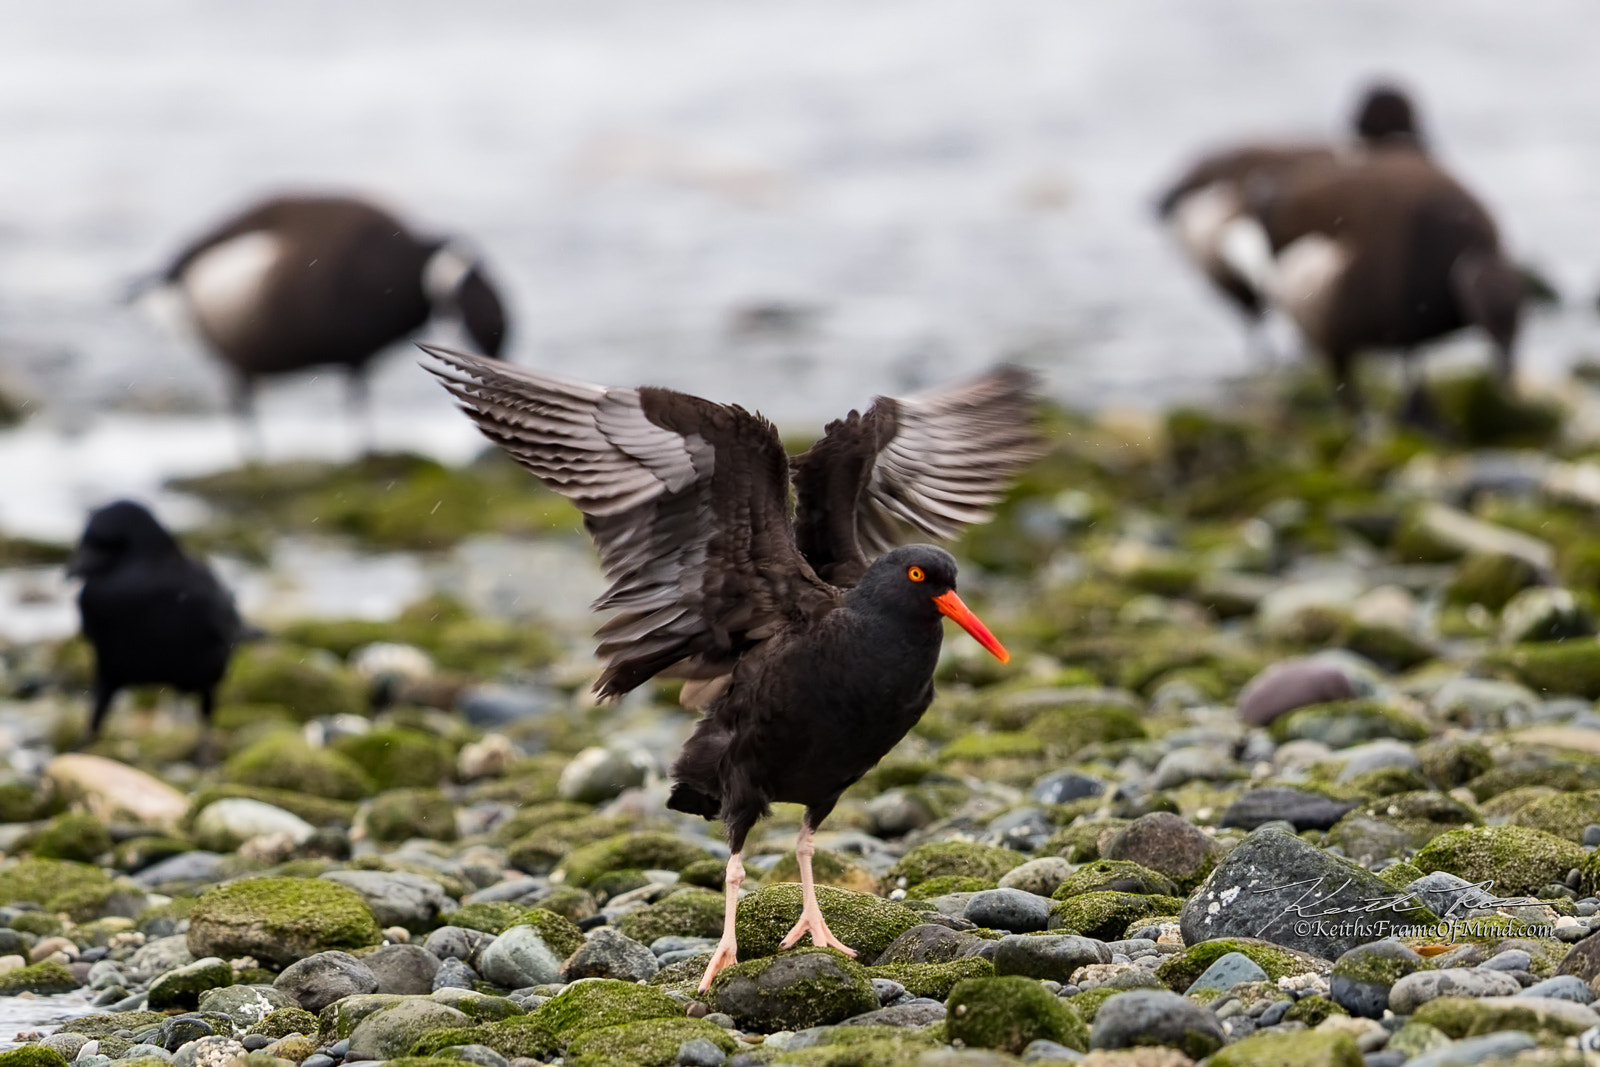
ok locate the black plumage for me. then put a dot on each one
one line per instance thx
(153, 615)
(810, 659)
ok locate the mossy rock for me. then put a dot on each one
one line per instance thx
(793, 991)
(397, 758)
(77, 889)
(1560, 776)
(827, 868)
(308, 682)
(1121, 876)
(860, 1046)
(949, 883)
(74, 836)
(285, 761)
(615, 883)
(1107, 916)
(570, 902)
(641, 851)
(1399, 875)
(1554, 667)
(281, 1022)
(401, 814)
(560, 933)
(1070, 729)
(1519, 861)
(1481, 412)
(1307, 1048)
(280, 920)
(1179, 971)
(1344, 723)
(967, 858)
(979, 747)
(686, 913)
(519, 1036)
(98, 1026)
(1490, 579)
(1398, 825)
(1564, 814)
(1459, 1017)
(490, 916)
(318, 811)
(1313, 1010)
(38, 923)
(1452, 761)
(1009, 1013)
(137, 853)
(707, 874)
(867, 923)
(652, 1043)
(599, 1003)
(22, 800)
(934, 980)
(44, 978)
(1080, 842)
(1389, 647)
(32, 1056)
(537, 816)
(538, 852)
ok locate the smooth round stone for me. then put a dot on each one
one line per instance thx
(1291, 684)
(1008, 909)
(609, 953)
(392, 1031)
(1024, 829)
(69, 1045)
(700, 1052)
(1474, 1050)
(1156, 1017)
(179, 1030)
(1041, 1050)
(1195, 763)
(1416, 989)
(1363, 976)
(600, 774)
(1512, 959)
(405, 969)
(1561, 987)
(1301, 810)
(145, 1051)
(914, 1013)
(1041, 876)
(319, 980)
(1226, 972)
(519, 958)
(1061, 787)
(481, 1055)
(457, 943)
(887, 989)
(1053, 956)
(453, 974)
(397, 898)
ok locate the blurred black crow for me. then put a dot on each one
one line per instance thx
(153, 615)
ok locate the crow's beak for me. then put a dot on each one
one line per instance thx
(951, 607)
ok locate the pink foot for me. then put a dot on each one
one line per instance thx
(726, 955)
(811, 922)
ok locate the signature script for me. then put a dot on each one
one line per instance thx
(1309, 905)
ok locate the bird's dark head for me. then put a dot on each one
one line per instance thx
(919, 581)
(118, 532)
(1387, 117)
(457, 284)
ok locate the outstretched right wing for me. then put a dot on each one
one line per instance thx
(686, 500)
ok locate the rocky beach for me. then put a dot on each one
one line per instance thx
(1295, 761)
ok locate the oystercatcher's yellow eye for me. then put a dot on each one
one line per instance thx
(915, 574)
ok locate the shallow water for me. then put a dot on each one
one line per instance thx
(40, 1014)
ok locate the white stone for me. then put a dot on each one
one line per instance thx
(115, 792)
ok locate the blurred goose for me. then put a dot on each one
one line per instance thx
(305, 281)
(1386, 252)
(1204, 205)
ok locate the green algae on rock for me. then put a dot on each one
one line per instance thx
(280, 920)
(1344, 723)
(74, 836)
(652, 1043)
(947, 883)
(398, 758)
(1560, 667)
(401, 814)
(933, 980)
(689, 912)
(32, 1056)
(1121, 876)
(867, 923)
(1517, 860)
(309, 683)
(1107, 916)
(1459, 1017)
(77, 889)
(41, 978)
(519, 1036)
(1564, 814)
(1009, 1013)
(1308, 1048)
(281, 1022)
(559, 932)
(598, 1003)
(318, 811)
(645, 850)
(827, 868)
(967, 858)
(795, 990)
(285, 761)
(1180, 971)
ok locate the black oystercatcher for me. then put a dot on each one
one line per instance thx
(810, 661)
(153, 615)
(1205, 206)
(303, 281)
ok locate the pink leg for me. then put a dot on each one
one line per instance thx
(727, 952)
(811, 921)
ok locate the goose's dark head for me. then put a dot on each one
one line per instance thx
(119, 533)
(1386, 117)
(918, 582)
(457, 285)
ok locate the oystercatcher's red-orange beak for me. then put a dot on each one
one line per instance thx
(951, 607)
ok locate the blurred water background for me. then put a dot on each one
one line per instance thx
(790, 205)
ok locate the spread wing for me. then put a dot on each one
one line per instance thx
(686, 500)
(932, 463)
